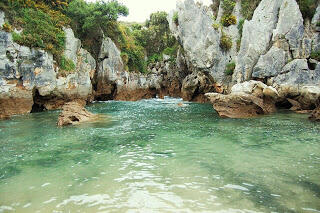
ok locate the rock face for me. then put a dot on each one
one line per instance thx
(163, 78)
(74, 113)
(274, 36)
(31, 81)
(201, 41)
(300, 83)
(248, 99)
(256, 38)
(270, 64)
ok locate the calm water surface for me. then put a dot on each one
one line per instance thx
(154, 156)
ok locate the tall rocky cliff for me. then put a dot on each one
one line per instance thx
(275, 49)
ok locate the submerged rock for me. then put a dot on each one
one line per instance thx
(248, 99)
(74, 113)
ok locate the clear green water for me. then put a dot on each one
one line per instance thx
(154, 156)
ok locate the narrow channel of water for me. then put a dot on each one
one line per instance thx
(155, 156)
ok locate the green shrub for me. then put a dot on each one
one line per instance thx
(225, 42)
(315, 55)
(170, 51)
(41, 21)
(238, 44)
(227, 20)
(7, 27)
(16, 37)
(175, 18)
(318, 24)
(308, 8)
(248, 7)
(240, 27)
(228, 6)
(230, 68)
(154, 58)
(66, 64)
(216, 26)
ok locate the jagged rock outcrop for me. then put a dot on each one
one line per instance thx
(270, 64)
(31, 81)
(163, 79)
(256, 38)
(195, 85)
(300, 83)
(201, 41)
(248, 99)
(74, 113)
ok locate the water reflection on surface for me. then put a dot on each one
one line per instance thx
(156, 156)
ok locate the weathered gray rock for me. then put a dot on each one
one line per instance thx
(296, 74)
(201, 42)
(256, 38)
(2, 16)
(270, 64)
(196, 84)
(72, 45)
(109, 69)
(316, 17)
(298, 81)
(290, 26)
(30, 76)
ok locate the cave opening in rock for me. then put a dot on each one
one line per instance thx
(74, 119)
(312, 65)
(284, 104)
(37, 102)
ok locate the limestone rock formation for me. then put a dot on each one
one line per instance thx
(201, 41)
(256, 37)
(299, 82)
(31, 81)
(270, 64)
(74, 113)
(195, 85)
(248, 99)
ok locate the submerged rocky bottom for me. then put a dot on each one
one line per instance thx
(156, 156)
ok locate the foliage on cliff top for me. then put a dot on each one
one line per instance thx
(155, 36)
(91, 21)
(41, 21)
(308, 8)
(248, 7)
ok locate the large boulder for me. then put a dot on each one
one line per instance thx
(74, 113)
(239, 105)
(248, 99)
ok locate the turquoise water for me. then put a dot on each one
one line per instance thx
(154, 156)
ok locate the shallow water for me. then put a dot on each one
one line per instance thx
(154, 156)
